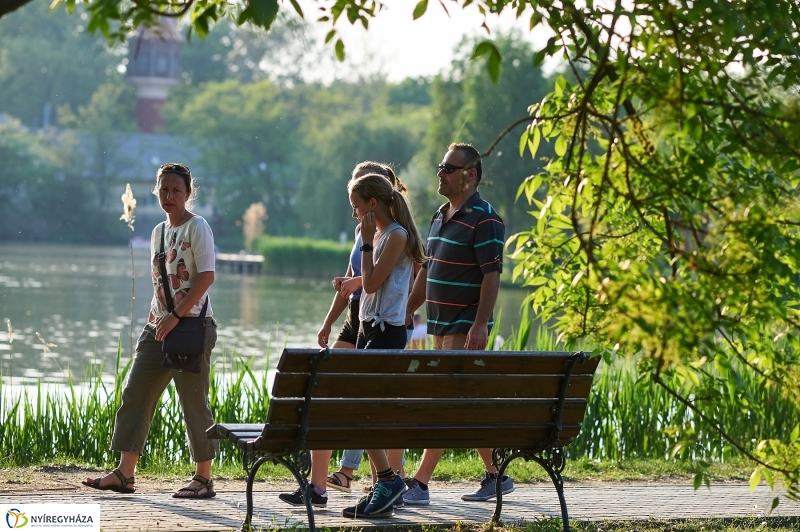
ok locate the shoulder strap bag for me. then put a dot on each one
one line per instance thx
(185, 344)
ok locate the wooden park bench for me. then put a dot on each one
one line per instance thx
(521, 404)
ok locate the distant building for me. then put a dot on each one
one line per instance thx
(153, 69)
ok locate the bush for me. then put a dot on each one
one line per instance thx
(303, 256)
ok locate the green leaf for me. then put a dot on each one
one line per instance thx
(533, 141)
(538, 58)
(297, 8)
(495, 59)
(536, 18)
(561, 145)
(54, 4)
(420, 9)
(755, 479)
(260, 12)
(775, 502)
(523, 141)
(795, 434)
(331, 34)
(339, 47)
(698, 481)
(482, 48)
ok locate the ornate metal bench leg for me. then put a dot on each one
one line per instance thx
(299, 463)
(251, 476)
(501, 459)
(553, 461)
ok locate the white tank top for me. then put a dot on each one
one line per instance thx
(388, 304)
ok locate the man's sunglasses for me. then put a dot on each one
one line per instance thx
(448, 168)
(176, 168)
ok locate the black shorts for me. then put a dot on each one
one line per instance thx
(349, 331)
(392, 337)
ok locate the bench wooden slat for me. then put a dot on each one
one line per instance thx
(438, 362)
(364, 386)
(417, 437)
(355, 413)
(220, 431)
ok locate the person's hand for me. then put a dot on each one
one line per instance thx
(349, 286)
(477, 337)
(409, 315)
(337, 282)
(164, 325)
(324, 335)
(368, 228)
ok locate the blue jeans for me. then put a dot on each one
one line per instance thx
(352, 458)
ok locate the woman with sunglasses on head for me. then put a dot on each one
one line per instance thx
(190, 273)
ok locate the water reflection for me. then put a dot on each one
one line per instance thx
(78, 298)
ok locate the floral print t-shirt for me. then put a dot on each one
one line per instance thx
(190, 250)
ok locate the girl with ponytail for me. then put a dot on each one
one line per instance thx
(390, 246)
(348, 297)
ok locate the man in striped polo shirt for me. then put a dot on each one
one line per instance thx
(459, 283)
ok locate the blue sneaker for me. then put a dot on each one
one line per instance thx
(383, 496)
(488, 489)
(415, 493)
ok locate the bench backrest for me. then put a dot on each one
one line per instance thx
(426, 399)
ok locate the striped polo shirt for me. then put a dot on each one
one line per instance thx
(461, 250)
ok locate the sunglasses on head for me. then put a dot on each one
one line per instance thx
(173, 167)
(448, 168)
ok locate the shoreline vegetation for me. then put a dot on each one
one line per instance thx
(307, 257)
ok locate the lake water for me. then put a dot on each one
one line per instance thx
(79, 299)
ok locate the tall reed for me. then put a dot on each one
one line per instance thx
(75, 423)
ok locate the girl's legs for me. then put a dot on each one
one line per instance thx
(321, 459)
(391, 337)
(395, 457)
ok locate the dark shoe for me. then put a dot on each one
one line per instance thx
(296, 498)
(122, 488)
(383, 496)
(358, 511)
(354, 512)
(205, 484)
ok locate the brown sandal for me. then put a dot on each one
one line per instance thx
(122, 488)
(333, 481)
(205, 483)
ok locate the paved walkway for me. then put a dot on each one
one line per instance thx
(159, 511)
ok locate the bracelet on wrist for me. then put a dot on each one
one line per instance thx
(175, 314)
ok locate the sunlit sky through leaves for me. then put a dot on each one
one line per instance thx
(400, 47)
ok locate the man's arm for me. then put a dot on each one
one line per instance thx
(479, 332)
(417, 296)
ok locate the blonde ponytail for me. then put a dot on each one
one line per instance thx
(377, 186)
